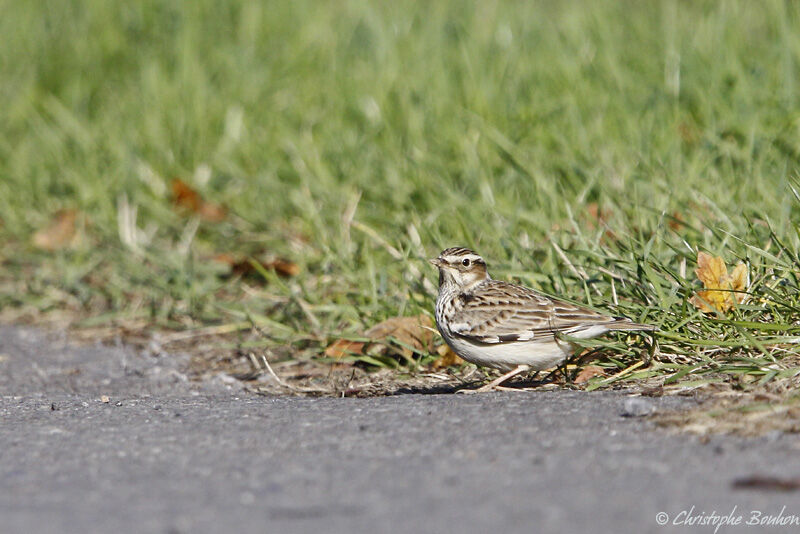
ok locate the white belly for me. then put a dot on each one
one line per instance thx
(506, 356)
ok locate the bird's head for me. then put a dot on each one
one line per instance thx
(461, 267)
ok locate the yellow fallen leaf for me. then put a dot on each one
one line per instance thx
(59, 234)
(446, 358)
(740, 280)
(721, 288)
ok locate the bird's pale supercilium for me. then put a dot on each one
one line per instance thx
(506, 326)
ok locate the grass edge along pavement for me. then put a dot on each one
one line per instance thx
(589, 150)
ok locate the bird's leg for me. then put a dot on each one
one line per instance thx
(551, 374)
(495, 384)
(564, 373)
(652, 350)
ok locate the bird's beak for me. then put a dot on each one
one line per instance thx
(436, 261)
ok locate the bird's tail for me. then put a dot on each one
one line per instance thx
(623, 323)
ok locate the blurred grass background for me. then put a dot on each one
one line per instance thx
(358, 138)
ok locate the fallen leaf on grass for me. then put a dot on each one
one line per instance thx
(244, 266)
(416, 332)
(676, 222)
(590, 371)
(185, 197)
(282, 267)
(689, 132)
(598, 217)
(59, 234)
(344, 347)
(720, 294)
(447, 358)
(400, 336)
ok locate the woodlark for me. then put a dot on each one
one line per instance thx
(506, 326)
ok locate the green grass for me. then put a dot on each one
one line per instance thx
(359, 138)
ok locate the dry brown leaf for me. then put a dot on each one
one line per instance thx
(720, 294)
(59, 234)
(344, 347)
(415, 331)
(282, 267)
(676, 222)
(447, 358)
(228, 259)
(598, 217)
(212, 212)
(185, 197)
(590, 371)
(689, 132)
(243, 266)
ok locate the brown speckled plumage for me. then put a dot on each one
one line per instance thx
(499, 324)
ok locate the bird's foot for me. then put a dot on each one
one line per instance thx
(494, 385)
(487, 388)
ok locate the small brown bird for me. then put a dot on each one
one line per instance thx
(505, 326)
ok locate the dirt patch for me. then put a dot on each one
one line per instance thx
(743, 414)
(239, 356)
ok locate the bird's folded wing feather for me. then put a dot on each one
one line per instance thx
(505, 313)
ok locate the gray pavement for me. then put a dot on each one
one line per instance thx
(166, 456)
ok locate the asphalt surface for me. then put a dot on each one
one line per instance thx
(167, 456)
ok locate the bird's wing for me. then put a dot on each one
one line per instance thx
(501, 312)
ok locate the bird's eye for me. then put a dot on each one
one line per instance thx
(465, 262)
